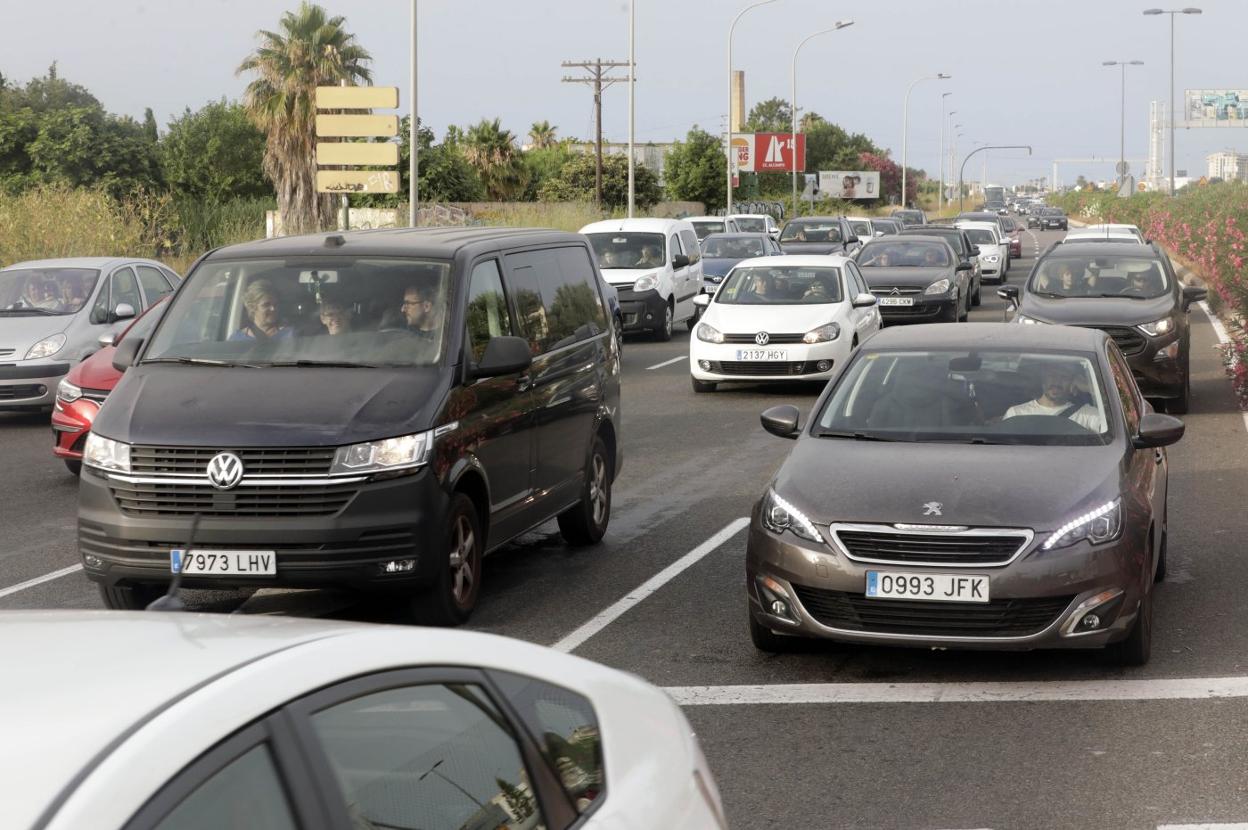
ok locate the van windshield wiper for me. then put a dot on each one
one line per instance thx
(336, 364)
(42, 312)
(856, 436)
(201, 361)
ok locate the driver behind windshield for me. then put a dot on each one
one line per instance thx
(264, 315)
(1059, 398)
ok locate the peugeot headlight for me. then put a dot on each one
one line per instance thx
(938, 287)
(46, 347)
(646, 282)
(992, 257)
(709, 334)
(66, 392)
(106, 454)
(403, 452)
(822, 334)
(1032, 321)
(779, 516)
(1157, 328)
(1104, 524)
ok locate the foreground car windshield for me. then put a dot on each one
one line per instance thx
(732, 248)
(628, 250)
(811, 232)
(749, 225)
(46, 290)
(368, 311)
(981, 236)
(904, 254)
(1101, 276)
(781, 285)
(997, 397)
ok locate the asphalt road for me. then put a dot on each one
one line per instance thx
(1153, 747)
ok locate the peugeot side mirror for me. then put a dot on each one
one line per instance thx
(126, 353)
(1009, 293)
(864, 301)
(1192, 294)
(1157, 430)
(782, 421)
(123, 311)
(503, 356)
(680, 261)
(702, 300)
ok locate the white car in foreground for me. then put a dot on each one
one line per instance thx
(168, 721)
(994, 249)
(782, 318)
(756, 223)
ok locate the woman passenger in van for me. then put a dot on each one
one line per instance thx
(264, 314)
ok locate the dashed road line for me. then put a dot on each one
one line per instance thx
(667, 362)
(39, 580)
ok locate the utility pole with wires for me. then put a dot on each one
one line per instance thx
(598, 78)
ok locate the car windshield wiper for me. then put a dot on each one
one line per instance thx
(1122, 297)
(1051, 294)
(43, 312)
(201, 361)
(856, 436)
(338, 364)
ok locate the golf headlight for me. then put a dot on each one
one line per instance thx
(992, 257)
(938, 287)
(46, 347)
(646, 282)
(822, 334)
(1021, 318)
(709, 334)
(1157, 328)
(387, 454)
(1104, 524)
(779, 516)
(66, 392)
(106, 454)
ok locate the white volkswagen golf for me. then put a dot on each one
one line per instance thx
(782, 318)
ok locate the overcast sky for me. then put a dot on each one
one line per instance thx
(1024, 72)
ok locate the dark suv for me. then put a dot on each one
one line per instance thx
(1129, 291)
(372, 410)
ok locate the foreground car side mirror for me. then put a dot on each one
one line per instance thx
(864, 301)
(1009, 293)
(964, 266)
(503, 356)
(702, 300)
(974, 250)
(680, 261)
(123, 311)
(1192, 294)
(1157, 430)
(783, 421)
(851, 240)
(126, 353)
(108, 339)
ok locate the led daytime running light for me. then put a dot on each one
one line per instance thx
(796, 517)
(1079, 522)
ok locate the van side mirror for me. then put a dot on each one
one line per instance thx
(1192, 294)
(1157, 430)
(782, 421)
(680, 261)
(126, 353)
(503, 356)
(123, 311)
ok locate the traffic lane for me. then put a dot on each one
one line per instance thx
(1004, 765)
(1201, 623)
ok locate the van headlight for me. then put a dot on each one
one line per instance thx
(938, 287)
(1157, 328)
(106, 454)
(46, 347)
(831, 331)
(1104, 524)
(405, 451)
(779, 516)
(646, 282)
(709, 334)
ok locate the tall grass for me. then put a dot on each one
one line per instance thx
(563, 216)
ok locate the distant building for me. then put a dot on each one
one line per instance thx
(652, 154)
(1228, 165)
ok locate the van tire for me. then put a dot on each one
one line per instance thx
(663, 329)
(457, 586)
(586, 522)
(130, 596)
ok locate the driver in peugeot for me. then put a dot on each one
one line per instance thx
(1058, 382)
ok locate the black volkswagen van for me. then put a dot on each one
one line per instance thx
(372, 410)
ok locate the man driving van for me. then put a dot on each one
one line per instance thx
(421, 311)
(1058, 398)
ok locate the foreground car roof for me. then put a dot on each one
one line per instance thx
(986, 336)
(806, 260)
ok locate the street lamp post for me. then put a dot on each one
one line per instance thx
(905, 126)
(940, 200)
(953, 148)
(413, 149)
(731, 29)
(1122, 119)
(632, 89)
(1173, 114)
(840, 24)
(962, 169)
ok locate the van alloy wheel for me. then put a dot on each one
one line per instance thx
(463, 542)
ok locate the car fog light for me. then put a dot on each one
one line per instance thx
(92, 561)
(649, 316)
(775, 599)
(1089, 622)
(1168, 352)
(398, 566)
(704, 365)
(824, 365)
(1096, 613)
(779, 608)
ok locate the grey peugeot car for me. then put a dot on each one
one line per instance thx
(979, 486)
(53, 313)
(917, 278)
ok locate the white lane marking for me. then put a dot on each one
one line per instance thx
(667, 362)
(618, 608)
(1179, 688)
(1220, 332)
(1240, 826)
(39, 580)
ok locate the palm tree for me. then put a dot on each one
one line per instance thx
(492, 151)
(310, 49)
(542, 135)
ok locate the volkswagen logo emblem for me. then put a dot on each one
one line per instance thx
(762, 338)
(225, 471)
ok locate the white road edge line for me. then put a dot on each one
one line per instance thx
(1220, 332)
(39, 580)
(618, 608)
(667, 362)
(1239, 826)
(1180, 688)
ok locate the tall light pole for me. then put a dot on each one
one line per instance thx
(940, 199)
(731, 29)
(632, 85)
(1122, 119)
(981, 149)
(905, 127)
(840, 24)
(413, 166)
(1173, 113)
(946, 159)
(954, 135)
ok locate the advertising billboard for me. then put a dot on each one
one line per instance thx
(849, 184)
(768, 152)
(743, 153)
(1215, 107)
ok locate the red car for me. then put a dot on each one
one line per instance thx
(81, 393)
(1016, 238)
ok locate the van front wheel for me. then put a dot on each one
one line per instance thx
(586, 522)
(453, 595)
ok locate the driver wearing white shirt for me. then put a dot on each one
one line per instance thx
(1058, 399)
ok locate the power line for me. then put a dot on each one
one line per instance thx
(598, 78)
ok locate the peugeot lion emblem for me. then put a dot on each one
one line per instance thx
(225, 470)
(932, 508)
(762, 338)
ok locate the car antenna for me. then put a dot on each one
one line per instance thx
(170, 601)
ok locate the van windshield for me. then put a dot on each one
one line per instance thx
(359, 311)
(623, 249)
